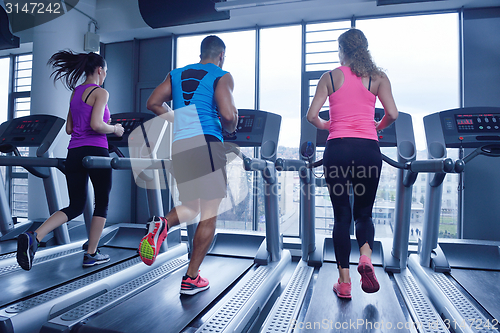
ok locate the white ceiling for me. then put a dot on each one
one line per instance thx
(121, 20)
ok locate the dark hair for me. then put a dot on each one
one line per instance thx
(354, 45)
(69, 67)
(211, 47)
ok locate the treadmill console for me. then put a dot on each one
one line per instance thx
(31, 131)
(245, 123)
(467, 127)
(129, 121)
(255, 128)
(477, 123)
(386, 138)
(29, 127)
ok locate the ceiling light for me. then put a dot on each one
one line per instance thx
(239, 4)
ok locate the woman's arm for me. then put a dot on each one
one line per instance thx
(69, 118)
(96, 121)
(317, 103)
(69, 123)
(159, 97)
(384, 94)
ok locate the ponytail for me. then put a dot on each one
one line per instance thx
(354, 45)
(69, 67)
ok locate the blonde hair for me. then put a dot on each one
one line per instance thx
(354, 45)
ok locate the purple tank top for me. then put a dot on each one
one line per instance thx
(81, 112)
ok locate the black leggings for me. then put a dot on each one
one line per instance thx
(352, 162)
(77, 177)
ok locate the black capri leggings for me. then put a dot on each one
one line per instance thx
(352, 162)
(77, 177)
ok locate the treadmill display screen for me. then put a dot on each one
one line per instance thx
(129, 124)
(478, 123)
(245, 123)
(28, 127)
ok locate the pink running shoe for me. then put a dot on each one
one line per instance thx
(369, 282)
(342, 289)
(151, 243)
(191, 286)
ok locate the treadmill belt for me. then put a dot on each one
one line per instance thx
(21, 283)
(483, 286)
(6, 247)
(162, 309)
(364, 313)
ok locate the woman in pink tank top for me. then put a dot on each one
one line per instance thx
(352, 160)
(88, 124)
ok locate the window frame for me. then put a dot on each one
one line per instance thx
(10, 173)
(307, 76)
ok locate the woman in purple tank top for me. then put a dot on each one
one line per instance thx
(87, 123)
(352, 160)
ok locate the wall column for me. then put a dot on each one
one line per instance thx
(65, 32)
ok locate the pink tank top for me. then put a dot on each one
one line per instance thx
(352, 109)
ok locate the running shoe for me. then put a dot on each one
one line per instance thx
(94, 259)
(369, 282)
(342, 289)
(27, 244)
(191, 286)
(151, 243)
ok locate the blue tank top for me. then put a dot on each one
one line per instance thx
(193, 89)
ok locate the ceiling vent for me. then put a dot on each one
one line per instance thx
(400, 2)
(7, 39)
(168, 13)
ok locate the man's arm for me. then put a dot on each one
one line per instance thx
(225, 103)
(159, 97)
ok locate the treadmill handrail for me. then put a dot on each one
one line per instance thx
(285, 164)
(123, 163)
(441, 165)
(250, 163)
(435, 165)
(255, 164)
(97, 162)
(492, 150)
(29, 163)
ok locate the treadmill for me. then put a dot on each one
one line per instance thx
(31, 131)
(243, 270)
(144, 136)
(461, 269)
(57, 281)
(308, 303)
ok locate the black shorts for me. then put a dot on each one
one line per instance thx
(199, 168)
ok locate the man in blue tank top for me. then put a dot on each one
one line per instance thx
(202, 96)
